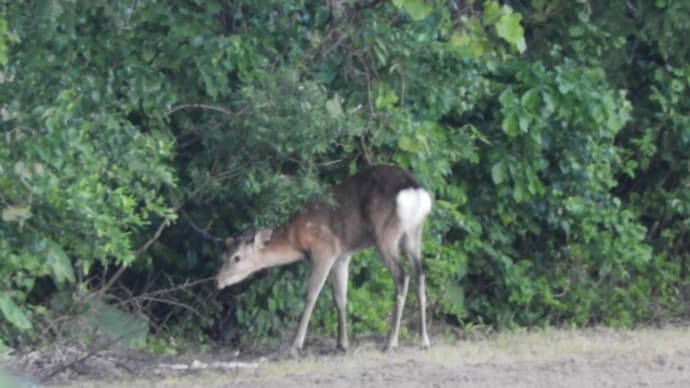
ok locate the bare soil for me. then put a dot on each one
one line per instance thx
(652, 357)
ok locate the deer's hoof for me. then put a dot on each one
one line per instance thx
(294, 352)
(390, 347)
(426, 344)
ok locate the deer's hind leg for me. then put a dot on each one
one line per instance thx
(388, 242)
(339, 275)
(412, 246)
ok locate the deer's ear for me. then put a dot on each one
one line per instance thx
(229, 241)
(262, 237)
(247, 235)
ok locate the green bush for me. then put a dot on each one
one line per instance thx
(553, 135)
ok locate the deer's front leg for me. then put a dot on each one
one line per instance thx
(321, 266)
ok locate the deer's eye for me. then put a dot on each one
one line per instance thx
(236, 259)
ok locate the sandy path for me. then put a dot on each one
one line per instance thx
(551, 358)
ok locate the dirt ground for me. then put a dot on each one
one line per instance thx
(653, 357)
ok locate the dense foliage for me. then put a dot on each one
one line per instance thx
(555, 136)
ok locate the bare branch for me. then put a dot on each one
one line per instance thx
(199, 230)
(153, 239)
(170, 302)
(185, 285)
(207, 107)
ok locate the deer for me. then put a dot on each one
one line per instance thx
(381, 206)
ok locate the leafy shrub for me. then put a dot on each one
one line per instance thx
(554, 137)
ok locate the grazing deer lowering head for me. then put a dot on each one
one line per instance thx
(382, 206)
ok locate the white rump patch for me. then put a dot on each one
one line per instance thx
(413, 205)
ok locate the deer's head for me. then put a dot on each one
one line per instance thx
(242, 257)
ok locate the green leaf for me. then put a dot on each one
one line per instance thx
(4, 37)
(519, 194)
(406, 143)
(523, 123)
(549, 103)
(13, 313)
(508, 27)
(16, 213)
(4, 350)
(459, 39)
(507, 98)
(538, 4)
(334, 106)
(59, 263)
(576, 31)
(510, 125)
(499, 172)
(492, 12)
(534, 185)
(385, 100)
(531, 101)
(417, 9)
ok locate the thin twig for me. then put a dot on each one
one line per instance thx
(335, 45)
(153, 239)
(139, 251)
(403, 88)
(371, 4)
(329, 163)
(168, 301)
(151, 296)
(208, 107)
(186, 284)
(199, 230)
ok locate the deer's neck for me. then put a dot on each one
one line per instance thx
(279, 251)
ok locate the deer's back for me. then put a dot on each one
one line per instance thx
(348, 219)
